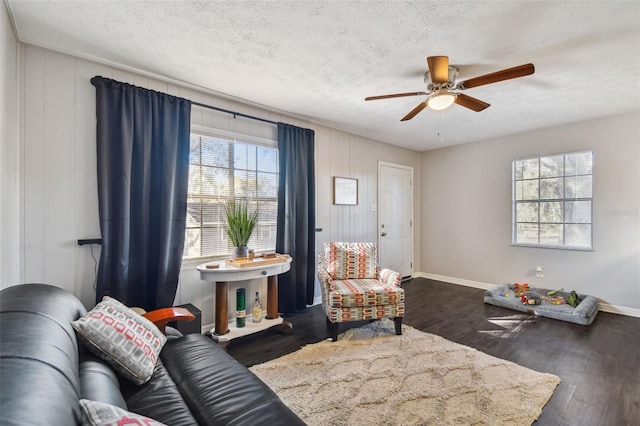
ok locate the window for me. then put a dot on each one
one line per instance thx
(223, 168)
(552, 201)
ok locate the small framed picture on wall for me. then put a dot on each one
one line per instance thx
(345, 191)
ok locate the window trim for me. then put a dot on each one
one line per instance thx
(514, 222)
(190, 262)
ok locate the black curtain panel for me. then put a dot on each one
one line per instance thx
(296, 216)
(143, 175)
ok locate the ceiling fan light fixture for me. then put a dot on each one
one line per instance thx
(441, 100)
(441, 77)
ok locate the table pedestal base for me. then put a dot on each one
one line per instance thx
(285, 327)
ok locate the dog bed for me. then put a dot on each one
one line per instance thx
(504, 296)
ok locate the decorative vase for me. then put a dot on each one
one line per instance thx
(241, 251)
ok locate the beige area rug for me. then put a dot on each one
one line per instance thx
(370, 376)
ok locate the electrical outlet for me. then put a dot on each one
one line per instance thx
(539, 272)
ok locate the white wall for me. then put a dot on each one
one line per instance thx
(8, 149)
(466, 213)
(59, 193)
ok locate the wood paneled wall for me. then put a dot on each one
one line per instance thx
(58, 172)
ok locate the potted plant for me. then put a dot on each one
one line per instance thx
(240, 225)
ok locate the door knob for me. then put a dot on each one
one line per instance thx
(384, 234)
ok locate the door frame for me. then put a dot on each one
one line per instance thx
(411, 201)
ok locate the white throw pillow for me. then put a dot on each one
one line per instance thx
(126, 340)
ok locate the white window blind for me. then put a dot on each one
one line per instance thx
(553, 201)
(222, 169)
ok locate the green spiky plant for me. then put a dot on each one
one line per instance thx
(240, 222)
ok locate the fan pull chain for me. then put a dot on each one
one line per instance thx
(441, 131)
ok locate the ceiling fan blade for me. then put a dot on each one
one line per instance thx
(396, 95)
(438, 68)
(415, 111)
(494, 77)
(472, 103)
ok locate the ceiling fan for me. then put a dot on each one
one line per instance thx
(441, 81)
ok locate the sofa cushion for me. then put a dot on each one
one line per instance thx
(197, 365)
(194, 371)
(128, 341)
(351, 260)
(159, 398)
(100, 414)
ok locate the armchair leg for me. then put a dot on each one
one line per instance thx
(398, 323)
(334, 327)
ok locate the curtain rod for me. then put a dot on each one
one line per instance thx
(234, 113)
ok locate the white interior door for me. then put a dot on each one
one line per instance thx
(395, 217)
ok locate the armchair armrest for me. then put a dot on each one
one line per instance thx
(160, 317)
(325, 279)
(389, 277)
(322, 264)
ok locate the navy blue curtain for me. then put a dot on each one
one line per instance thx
(143, 175)
(296, 216)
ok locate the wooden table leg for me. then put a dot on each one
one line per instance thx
(272, 297)
(272, 305)
(222, 309)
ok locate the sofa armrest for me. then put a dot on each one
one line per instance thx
(389, 277)
(160, 317)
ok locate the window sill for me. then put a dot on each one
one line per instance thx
(549, 246)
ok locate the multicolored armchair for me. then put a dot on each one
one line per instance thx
(354, 288)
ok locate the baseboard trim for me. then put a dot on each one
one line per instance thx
(620, 310)
(604, 307)
(453, 280)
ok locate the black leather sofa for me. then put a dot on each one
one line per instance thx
(44, 372)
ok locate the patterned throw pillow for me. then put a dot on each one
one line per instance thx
(126, 340)
(351, 260)
(101, 414)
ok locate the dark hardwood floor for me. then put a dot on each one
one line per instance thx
(599, 365)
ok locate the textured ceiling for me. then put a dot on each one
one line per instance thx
(320, 59)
